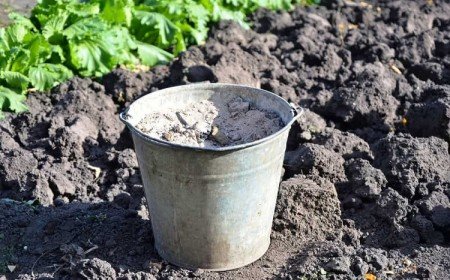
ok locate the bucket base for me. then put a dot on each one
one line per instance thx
(231, 266)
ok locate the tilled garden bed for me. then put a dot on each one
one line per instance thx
(366, 186)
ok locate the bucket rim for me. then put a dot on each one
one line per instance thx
(296, 113)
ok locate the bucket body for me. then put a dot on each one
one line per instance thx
(210, 208)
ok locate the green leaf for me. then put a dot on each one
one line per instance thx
(180, 45)
(15, 80)
(21, 20)
(86, 27)
(52, 29)
(151, 55)
(11, 100)
(276, 4)
(91, 56)
(83, 9)
(198, 15)
(19, 60)
(95, 47)
(42, 13)
(121, 43)
(40, 49)
(44, 10)
(117, 11)
(45, 76)
(12, 36)
(223, 13)
(51, 3)
(196, 36)
(57, 54)
(154, 28)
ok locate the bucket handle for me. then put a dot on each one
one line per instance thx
(296, 110)
(124, 115)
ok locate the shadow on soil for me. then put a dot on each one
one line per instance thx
(33, 237)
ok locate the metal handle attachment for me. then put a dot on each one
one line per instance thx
(297, 110)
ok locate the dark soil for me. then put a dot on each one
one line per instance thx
(366, 187)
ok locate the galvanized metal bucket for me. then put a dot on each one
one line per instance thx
(210, 208)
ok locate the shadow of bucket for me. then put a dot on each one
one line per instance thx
(210, 208)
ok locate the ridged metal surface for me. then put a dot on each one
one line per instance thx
(211, 208)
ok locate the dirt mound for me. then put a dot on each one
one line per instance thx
(346, 144)
(366, 99)
(308, 208)
(411, 163)
(431, 115)
(366, 187)
(126, 86)
(317, 160)
(74, 152)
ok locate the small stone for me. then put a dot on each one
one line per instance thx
(415, 253)
(184, 119)
(61, 185)
(123, 200)
(379, 261)
(60, 201)
(168, 136)
(407, 262)
(152, 265)
(311, 122)
(339, 265)
(306, 135)
(219, 136)
(198, 272)
(360, 267)
(43, 191)
(94, 269)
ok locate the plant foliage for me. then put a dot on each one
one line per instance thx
(63, 38)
